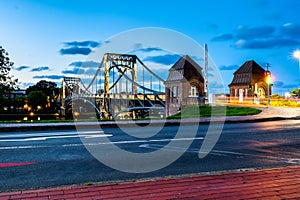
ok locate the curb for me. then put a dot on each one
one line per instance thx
(15, 127)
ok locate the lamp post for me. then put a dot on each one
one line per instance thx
(268, 81)
(296, 54)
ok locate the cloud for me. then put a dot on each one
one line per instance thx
(21, 68)
(85, 64)
(140, 47)
(24, 85)
(222, 37)
(79, 47)
(82, 67)
(167, 59)
(90, 72)
(291, 86)
(107, 42)
(265, 43)
(262, 37)
(255, 32)
(38, 69)
(290, 30)
(54, 77)
(149, 49)
(278, 84)
(228, 67)
(137, 46)
(92, 44)
(75, 50)
(75, 70)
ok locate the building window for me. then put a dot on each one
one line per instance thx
(174, 91)
(193, 92)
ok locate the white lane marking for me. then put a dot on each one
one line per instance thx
(65, 136)
(23, 147)
(89, 132)
(17, 135)
(176, 139)
(50, 137)
(101, 143)
(223, 153)
(56, 135)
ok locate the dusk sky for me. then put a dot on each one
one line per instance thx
(51, 39)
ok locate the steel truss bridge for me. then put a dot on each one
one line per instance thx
(121, 87)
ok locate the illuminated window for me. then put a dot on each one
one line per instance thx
(193, 92)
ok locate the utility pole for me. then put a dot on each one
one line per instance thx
(268, 81)
(206, 73)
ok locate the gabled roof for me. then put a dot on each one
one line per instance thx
(243, 75)
(185, 62)
(250, 67)
(184, 68)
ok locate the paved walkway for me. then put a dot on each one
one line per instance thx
(277, 183)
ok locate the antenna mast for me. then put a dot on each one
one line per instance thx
(206, 72)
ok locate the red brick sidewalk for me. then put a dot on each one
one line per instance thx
(277, 183)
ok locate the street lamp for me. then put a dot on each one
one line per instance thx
(268, 81)
(296, 54)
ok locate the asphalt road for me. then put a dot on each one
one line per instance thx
(53, 158)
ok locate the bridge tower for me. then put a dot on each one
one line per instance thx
(117, 63)
(70, 86)
(115, 91)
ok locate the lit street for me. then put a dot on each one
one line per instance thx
(53, 158)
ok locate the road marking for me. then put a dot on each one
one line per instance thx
(4, 165)
(94, 144)
(57, 135)
(176, 139)
(223, 153)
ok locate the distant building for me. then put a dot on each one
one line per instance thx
(248, 84)
(12, 95)
(184, 86)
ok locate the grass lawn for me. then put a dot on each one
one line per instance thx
(188, 112)
(215, 111)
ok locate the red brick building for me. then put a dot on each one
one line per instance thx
(248, 84)
(184, 86)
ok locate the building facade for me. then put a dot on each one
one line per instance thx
(184, 86)
(249, 84)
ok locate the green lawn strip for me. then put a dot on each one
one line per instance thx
(216, 111)
(188, 112)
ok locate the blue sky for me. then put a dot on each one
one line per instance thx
(51, 39)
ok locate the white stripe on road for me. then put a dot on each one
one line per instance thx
(56, 135)
(101, 143)
(223, 153)
(65, 136)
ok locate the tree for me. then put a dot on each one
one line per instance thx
(19, 103)
(7, 82)
(37, 98)
(47, 87)
(295, 92)
(51, 91)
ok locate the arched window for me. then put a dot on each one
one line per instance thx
(193, 91)
(174, 91)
